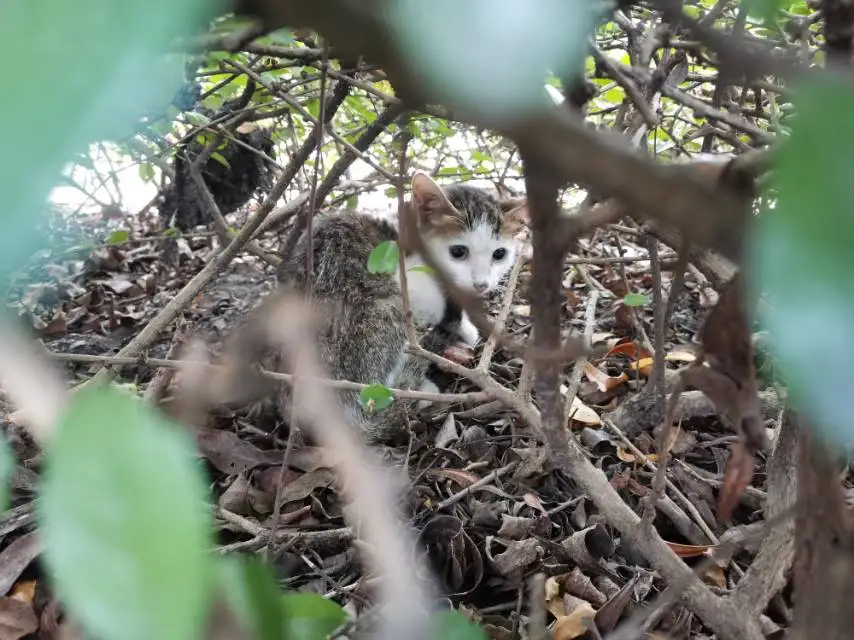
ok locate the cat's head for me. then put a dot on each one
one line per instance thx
(475, 237)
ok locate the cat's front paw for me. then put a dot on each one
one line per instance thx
(468, 332)
(428, 386)
(460, 353)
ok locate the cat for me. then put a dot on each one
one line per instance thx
(472, 236)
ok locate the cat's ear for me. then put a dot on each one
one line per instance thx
(429, 199)
(514, 216)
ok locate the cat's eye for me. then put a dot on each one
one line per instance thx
(499, 254)
(459, 251)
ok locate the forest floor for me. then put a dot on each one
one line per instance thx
(489, 508)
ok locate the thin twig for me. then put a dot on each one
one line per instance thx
(273, 375)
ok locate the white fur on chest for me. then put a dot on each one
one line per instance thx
(426, 299)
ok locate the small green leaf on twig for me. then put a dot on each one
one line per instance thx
(375, 397)
(422, 268)
(221, 159)
(383, 258)
(635, 300)
(118, 236)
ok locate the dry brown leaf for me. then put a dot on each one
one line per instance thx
(534, 502)
(517, 557)
(642, 366)
(231, 455)
(681, 356)
(297, 489)
(626, 456)
(579, 411)
(552, 592)
(575, 623)
(602, 380)
(462, 478)
(689, 550)
(629, 349)
(715, 576)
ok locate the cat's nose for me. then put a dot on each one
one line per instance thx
(481, 287)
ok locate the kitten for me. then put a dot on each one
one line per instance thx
(363, 336)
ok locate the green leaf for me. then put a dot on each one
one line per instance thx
(450, 171)
(615, 95)
(146, 171)
(802, 255)
(766, 10)
(452, 625)
(635, 300)
(281, 37)
(375, 397)
(196, 119)
(309, 616)
(253, 595)
(221, 159)
(691, 11)
(423, 268)
(390, 192)
(384, 257)
(7, 469)
(353, 202)
(125, 522)
(480, 156)
(118, 236)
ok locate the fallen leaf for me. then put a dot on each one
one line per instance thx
(462, 478)
(603, 381)
(448, 433)
(579, 411)
(626, 456)
(642, 366)
(629, 349)
(118, 285)
(297, 489)
(577, 621)
(715, 576)
(17, 619)
(689, 550)
(609, 613)
(534, 502)
(231, 455)
(681, 356)
(514, 561)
